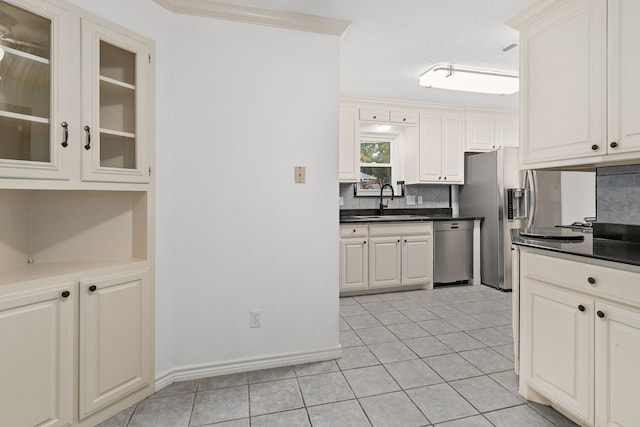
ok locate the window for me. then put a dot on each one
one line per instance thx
(375, 165)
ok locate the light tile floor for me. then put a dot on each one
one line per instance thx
(442, 357)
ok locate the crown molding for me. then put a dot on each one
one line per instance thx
(256, 15)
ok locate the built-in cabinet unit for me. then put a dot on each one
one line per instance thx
(580, 336)
(386, 256)
(76, 216)
(579, 92)
(490, 130)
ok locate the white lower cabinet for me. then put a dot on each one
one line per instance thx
(115, 343)
(385, 262)
(386, 256)
(41, 328)
(36, 359)
(580, 337)
(417, 259)
(558, 337)
(617, 373)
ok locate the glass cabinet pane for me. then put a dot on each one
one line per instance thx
(25, 85)
(117, 107)
(117, 151)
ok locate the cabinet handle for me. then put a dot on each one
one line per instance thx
(600, 314)
(595, 147)
(65, 294)
(445, 177)
(87, 129)
(591, 281)
(65, 134)
(613, 144)
(439, 177)
(93, 288)
(375, 117)
(581, 307)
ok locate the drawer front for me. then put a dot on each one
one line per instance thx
(596, 280)
(354, 230)
(403, 117)
(373, 115)
(401, 229)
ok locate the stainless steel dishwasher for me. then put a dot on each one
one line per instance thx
(452, 252)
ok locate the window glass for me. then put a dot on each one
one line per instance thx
(375, 164)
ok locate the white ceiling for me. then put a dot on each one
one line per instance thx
(391, 42)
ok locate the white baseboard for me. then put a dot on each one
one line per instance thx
(243, 365)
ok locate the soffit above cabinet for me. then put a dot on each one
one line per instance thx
(256, 15)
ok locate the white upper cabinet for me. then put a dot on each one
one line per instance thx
(349, 146)
(76, 98)
(115, 93)
(486, 131)
(623, 81)
(34, 113)
(438, 157)
(579, 92)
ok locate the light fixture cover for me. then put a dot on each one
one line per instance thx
(469, 80)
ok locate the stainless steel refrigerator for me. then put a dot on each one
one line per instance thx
(507, 198)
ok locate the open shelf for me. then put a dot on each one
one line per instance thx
(57, 232)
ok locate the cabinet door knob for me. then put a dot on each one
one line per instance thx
(404, 119)
(581, 307)
(354, 230)
(65, 294)
(591, 281)
(445, 177)
(398, 240)
(87, 129)
(375, 117)
(65, 134)
(600, 314)
(364, 243)
(595, 147)
(613, 144)
(93, 288)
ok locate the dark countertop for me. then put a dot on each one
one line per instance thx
(609, 242)
(408, 215)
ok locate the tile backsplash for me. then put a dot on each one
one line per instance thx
(618, 194)
(433, 196)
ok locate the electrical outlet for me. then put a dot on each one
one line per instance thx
(299, 175)
(254, 319)
(411, 200)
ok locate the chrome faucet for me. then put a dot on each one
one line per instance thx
(382, 205)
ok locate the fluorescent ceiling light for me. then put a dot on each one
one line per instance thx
(469, 80)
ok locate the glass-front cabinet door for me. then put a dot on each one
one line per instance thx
(115, 76)
(34, 75)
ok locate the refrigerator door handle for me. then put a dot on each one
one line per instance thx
(532, 187)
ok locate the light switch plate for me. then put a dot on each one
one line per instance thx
(341, 201)
(419, 200)
(299, 174)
